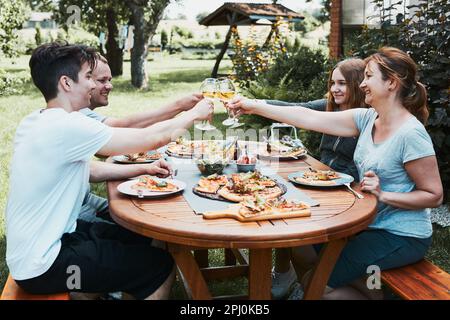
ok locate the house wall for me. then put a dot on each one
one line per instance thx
(347, 17)
(335, 40)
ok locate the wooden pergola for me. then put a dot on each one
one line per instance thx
(245, 14)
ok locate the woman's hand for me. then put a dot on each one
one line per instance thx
(242, 105)
(160, 168)
(371, 183)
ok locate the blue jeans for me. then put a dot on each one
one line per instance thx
(375, 247)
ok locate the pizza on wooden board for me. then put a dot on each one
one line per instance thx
(262, 206)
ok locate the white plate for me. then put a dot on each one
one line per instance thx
(125, 188)
(343, 178)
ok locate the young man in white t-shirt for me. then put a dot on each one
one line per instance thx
(49, 177)
(95, 208)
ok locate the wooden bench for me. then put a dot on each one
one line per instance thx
(420, 281)
(12, 291)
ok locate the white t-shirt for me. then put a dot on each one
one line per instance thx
(49, 178)
(92, 114)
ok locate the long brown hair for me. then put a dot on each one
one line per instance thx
(353, 72)
(398, 65)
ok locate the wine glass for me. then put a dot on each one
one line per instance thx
(227, 91)
(209, 91)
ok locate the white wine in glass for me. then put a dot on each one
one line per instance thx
(227, 91)
(209, 91)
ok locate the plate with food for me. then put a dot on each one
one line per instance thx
(320, 178)
(260, 208)
(140, 157)
(182, 148)
(276, 150)
(238, 186)
(149, 187)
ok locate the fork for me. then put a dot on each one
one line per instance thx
(174, 173)
(360, 196)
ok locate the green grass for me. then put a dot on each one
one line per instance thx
(170, 78)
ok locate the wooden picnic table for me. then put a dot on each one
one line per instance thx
(339, 216)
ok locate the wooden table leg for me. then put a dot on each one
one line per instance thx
(259, 277)
(201, 256)
(230, 259)
(190, 271)
(321, 273)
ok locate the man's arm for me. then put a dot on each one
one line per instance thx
(130, 140)
(103, 171)
(149, 117)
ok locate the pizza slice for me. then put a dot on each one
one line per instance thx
(207, 186)
(260, 206)
(235, 196)
(149, 183)
(271, 193)
(323, 175)
(315, 182)
(211, 183)
(254, 177)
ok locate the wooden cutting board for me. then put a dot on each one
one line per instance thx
(233, 213)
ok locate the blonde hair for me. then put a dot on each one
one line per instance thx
(353, 72)
(398, 65)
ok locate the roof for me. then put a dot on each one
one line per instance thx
(248, 13)
(40, 16)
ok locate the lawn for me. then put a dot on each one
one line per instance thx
(170, 78)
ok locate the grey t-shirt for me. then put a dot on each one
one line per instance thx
(94, 115)
(387, 159)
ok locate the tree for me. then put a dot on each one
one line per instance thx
(145, 17)
(12, 15)
(42, 5)
(100, 16)
(199, 17)
(324, 15)
(164, 39)
(38, 36)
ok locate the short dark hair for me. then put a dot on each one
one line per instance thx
(50, 61)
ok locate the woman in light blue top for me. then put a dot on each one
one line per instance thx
(395, 160)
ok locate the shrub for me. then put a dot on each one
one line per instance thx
(251, 60)
(300, 77)
(12, 83)
(425, 37)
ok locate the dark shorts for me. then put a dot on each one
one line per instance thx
(375, 247)
(109, 259)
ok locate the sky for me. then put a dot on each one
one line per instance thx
(191, 8)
